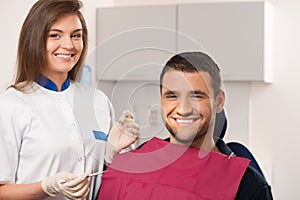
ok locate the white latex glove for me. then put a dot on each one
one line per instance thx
(124, 133)
(71, 186)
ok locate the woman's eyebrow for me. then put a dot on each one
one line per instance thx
(58, 30)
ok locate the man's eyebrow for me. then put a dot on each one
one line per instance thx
(169, 92)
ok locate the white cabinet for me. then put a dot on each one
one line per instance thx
(134, 42)
(237, 35)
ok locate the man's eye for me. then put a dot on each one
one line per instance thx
(197, 96)
(171, 96)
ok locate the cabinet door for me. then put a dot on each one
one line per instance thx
(134, 42)
(236, 34)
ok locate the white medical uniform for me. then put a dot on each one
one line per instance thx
(40, 133)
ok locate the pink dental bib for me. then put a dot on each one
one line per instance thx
(160, 170)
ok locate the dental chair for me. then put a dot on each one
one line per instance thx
(237, 148)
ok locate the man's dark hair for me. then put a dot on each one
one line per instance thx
(194, 62)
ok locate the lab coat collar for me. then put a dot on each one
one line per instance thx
(50, 85)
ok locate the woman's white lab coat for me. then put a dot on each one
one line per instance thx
(43, 132)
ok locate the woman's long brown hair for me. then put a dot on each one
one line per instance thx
(31, 57)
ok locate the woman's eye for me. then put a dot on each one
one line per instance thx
(76, 35)
(54, 35)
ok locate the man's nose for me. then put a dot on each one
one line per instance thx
(184, 107)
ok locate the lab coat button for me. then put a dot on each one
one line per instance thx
(79, 159)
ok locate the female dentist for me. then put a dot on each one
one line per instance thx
(54, 131)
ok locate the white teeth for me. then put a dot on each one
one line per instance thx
(184, 121)
(63, 56)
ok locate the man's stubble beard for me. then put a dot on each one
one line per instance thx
(199, 133)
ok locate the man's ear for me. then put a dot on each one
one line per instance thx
(220, 100)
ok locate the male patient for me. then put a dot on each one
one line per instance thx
(190, 165)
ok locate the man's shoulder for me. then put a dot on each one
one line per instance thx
(253, 186)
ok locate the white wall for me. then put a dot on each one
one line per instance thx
(11, 19)
(89, 12)
(274, 123)
(275, 107)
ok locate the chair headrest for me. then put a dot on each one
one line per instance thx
(220, 125)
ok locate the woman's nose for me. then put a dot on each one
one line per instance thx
(67, 43)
